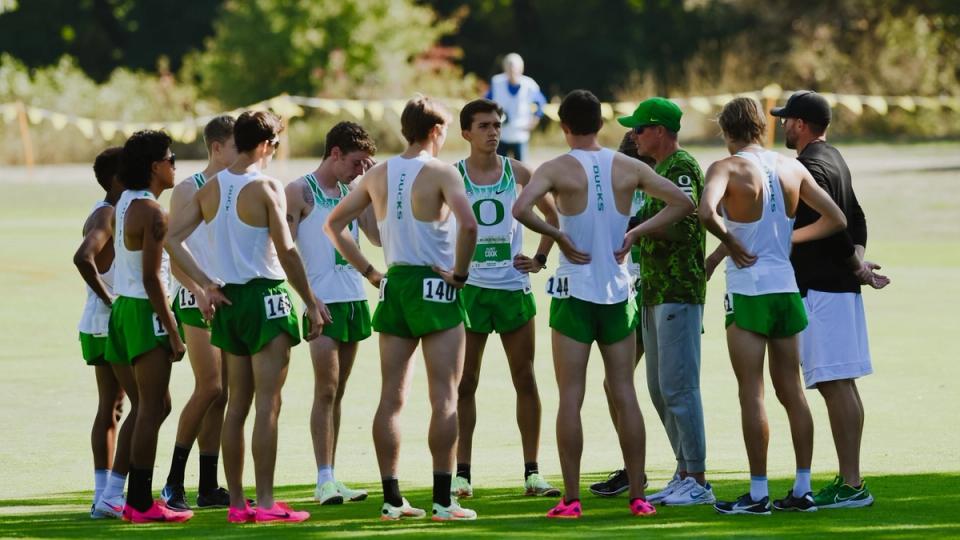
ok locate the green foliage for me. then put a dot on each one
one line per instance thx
(351, 48)
(105, 34)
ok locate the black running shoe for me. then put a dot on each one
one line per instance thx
(175, 498)
(796, 504)
(218, 498)
(615, 484)
(744, 505)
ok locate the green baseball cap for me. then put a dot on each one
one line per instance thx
(656, 111)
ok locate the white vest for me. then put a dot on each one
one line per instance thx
(331, 276)
(96, 315)
(516, 107)
(128, 265)
(499, 236)
(200, 244)
(599, 231)
(769, 238)
(639, 197)
(405, 239)
(242, 252)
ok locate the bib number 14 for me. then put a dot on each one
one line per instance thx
(437, 290)
(558, 287)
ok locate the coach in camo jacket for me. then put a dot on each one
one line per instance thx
(672, 289)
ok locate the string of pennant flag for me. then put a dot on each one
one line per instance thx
(187, 129)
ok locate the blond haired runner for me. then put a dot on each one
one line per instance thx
(429, 234)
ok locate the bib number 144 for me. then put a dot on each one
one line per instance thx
(277, 306)
(558, 287)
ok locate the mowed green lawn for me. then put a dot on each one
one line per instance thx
(911, 448)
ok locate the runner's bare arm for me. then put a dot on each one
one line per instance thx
(545, 204)
(541, 184)
(354, 204)
(455, 195)
(153, 234)
(183, 222)
(714, 188)
(299, 202)
(101, 232)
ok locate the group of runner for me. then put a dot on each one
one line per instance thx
(632, 253)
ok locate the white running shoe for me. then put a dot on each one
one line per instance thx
(352, 495)
(659, 496)
(688, 492)
(390, 512)
(454, 512)
(109, 508)
(327, 494)
(460, 488)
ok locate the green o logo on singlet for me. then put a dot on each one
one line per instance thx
(498, 212)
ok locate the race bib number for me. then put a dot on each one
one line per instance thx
(437, 290)
(728, 303)
(492, 255)
(558, 287)
(158, 329)
(383, 289)
(187, 299)
(277, 306)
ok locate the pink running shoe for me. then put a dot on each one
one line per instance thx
(565, 510)
(280, 513)
(157, 513)
(642, 508)
(241, 515)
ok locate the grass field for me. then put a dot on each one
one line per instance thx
(911, 453)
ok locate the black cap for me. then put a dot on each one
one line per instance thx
(805, 105)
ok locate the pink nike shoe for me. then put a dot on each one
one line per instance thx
(157, 513)
(241, 515)
(280, 513)
(565, 510)
(642, 508)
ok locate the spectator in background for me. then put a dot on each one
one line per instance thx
(517, 94)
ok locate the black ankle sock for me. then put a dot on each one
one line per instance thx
(441, 488)
(391, 491)
(208, 473)
(463, 471)
(529, 468)
(178, 465)
(139, 488)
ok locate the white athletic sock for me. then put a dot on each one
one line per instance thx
(758, 488)
(324, 474)
(115, 483)
(99, 483)
(801, 486)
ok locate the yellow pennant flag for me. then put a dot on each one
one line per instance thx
(552, 111)
(906, 103)
(85, 125)
(928, 103)
(771, 91)
(35, 115)
(851, 102)
(606, 111)
(877, 103)
(721, 100)
(701, 105)
(176, 130)
(375, 109)
(9, 111)
(130, 129)
(397, 106)
(353, 107)
(107, 130)
(624, 108)
(951, 103)
(59, 120)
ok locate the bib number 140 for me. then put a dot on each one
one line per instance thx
(437, 290)
(558, 287)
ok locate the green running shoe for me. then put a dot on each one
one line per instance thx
(840, 495)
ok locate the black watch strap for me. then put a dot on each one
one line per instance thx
(541, 258)
(461, 279)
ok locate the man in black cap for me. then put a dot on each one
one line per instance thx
(833, 347)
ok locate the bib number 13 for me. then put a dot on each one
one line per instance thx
(558, 287)
(437, 290)
(277, 306)
(187, 299)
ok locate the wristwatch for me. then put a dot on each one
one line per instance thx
(542, 259)
(461, 279)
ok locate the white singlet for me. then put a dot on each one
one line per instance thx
(331, 276)
(96, 315)
(769, 238)
(128, 265)
(599, 231)
(499, 236)
(406, 239)
(241, 252)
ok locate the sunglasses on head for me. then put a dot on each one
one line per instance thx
(172, 158)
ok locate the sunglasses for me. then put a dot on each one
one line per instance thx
(275, 143)
(172, 158)
(639, 129)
